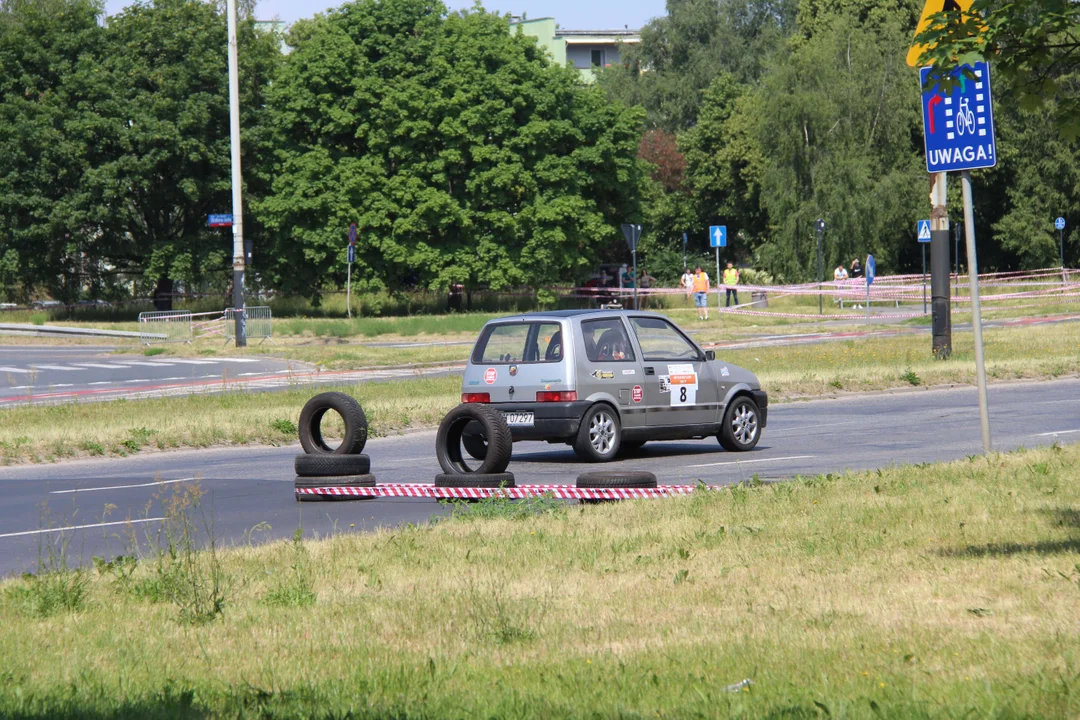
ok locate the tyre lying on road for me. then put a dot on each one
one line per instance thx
(480, 420)
(603, 381)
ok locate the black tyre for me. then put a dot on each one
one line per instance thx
(448, 440)
(356, 427)
(316, 466)
(628, 479)
(333, 481)
(492, 480)
(472, 439)
(599, 436)
(741, 429)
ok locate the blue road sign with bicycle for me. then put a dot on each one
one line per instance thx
(1059, 224)
(718, 236)
(959, 125)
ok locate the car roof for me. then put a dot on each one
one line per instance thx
(579, 313)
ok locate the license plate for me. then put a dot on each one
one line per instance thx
(518, 419)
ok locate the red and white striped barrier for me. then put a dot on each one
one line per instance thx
(561, 492)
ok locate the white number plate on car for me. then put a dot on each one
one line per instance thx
(518, 419)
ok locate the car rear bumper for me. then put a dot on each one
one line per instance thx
(551, 421)
(762, 400)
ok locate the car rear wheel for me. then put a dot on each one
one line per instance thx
(741, 429)
(599, 436)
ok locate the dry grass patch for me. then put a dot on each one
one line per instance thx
(934, 591)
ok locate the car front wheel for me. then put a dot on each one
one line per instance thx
(599, 435)
(741, 429)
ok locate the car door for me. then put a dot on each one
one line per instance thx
(678, 382)
(611, 368)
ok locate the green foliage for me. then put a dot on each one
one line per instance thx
(462, 155)
(284, 426)
(295, 589)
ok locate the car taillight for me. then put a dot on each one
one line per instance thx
(475, 397)
(556, 396)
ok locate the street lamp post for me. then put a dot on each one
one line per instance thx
(239, 264)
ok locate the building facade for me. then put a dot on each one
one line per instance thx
(585, 49)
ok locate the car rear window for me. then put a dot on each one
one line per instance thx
(519, 343)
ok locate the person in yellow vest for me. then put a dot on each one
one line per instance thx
(731, 281)
(700, 289)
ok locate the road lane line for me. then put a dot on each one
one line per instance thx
(80, 527)
(144, 364)
(20, 371)
(747, 462)
(1057, 432)
(102, 365)
(55, 367)
(193, 362)
(121, 487)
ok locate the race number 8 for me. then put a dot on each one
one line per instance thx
(682, 394)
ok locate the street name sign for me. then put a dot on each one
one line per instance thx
(958, 126)
(219, 220)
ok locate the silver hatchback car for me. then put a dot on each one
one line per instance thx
(605, 380)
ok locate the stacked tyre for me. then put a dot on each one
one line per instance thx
(483, 433)
(614, 479)
(325, 466)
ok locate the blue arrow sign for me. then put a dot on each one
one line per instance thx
(958, 126)
(1059, 224)
(352, 254)
(718, 236)
(871, 270)
(922, 230)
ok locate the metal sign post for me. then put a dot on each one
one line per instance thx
(684, 252)
(922, 233)
(718, 239)
(976, 314)
(871, 273)
(820, 227)
(1060, 225)
(632, 233)
(350, 259)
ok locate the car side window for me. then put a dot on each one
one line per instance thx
(519, 343)
(606, 341)
(659, 340)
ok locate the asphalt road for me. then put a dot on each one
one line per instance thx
(251, 486)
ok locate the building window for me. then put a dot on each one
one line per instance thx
(598, 58)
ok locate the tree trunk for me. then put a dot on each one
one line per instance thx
(163, 294)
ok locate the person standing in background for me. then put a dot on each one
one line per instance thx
(701, 293)
(856, 274)
(687, 282)
(645, 282)
(731, 283)
(839, 276)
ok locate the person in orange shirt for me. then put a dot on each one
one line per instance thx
(700, 289)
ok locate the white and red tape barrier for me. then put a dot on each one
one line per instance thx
(561, 492)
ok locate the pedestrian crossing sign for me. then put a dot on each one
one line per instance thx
(922, 230)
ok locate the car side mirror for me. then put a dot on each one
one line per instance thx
(710, 354)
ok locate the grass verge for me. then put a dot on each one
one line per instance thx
(932, 591)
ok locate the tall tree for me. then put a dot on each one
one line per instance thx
(159, 145)
(461, 154)
(42, 44)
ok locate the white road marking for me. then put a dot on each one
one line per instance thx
(158, 363)
(121, 487)
(747, 462)
(1057, 432)
(144, 364)
(19, 371)
(237, 360)
(54, 367)
(80, 527)
(101, 382)
(817, 425)
(101, 365)
(193, 362)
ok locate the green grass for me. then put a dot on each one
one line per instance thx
(937, 591)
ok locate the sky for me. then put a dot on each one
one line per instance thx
(570, 14)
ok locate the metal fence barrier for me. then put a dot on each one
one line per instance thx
(164, 326)
(257, 323)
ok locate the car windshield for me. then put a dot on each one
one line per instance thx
(519, 343)
(659, 340)
(606, 341)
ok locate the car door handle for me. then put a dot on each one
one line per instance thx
(649, 371)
